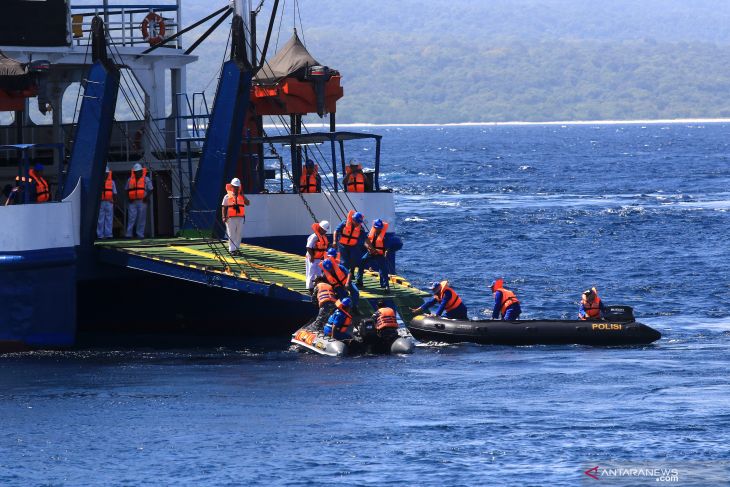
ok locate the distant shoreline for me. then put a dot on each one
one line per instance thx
(573, 122)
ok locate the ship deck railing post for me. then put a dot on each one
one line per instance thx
(376, 176)
(334, 160)
(342, 161)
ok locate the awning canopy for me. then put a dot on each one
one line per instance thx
(292, 60)
(312, 138)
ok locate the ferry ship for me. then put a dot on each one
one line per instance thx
(59, 283)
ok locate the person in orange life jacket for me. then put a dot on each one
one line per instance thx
(317, 244)
(325, 298)
(385, 319)
(376, 251)
(505, 302)
(341, 281)
(591, 306)
(106, 208)
(354, 180)
(449, 302)
(40, 185)
(339, 325)
(138, 188)
(233, 214)
(333, 255)
(349, 238)
(310, 181)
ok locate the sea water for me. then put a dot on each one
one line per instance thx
(642, 212)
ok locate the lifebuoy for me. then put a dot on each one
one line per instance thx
(153, 28)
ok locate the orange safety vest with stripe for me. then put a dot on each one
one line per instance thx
(386, 319)
(320, 246)
(336, 278)
(235, 205)
(325, 294)
(42, 193)
(107, 193)
(593, 310)
(378, 241)
(355, 179)
(348, 318)
(455, 300)
(136, 186)
(308, 181)
(508, 299)
(351, 231)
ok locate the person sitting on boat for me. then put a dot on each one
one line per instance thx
(340, 280)
(310, 181)
(325, 297)
(591, 306)
(350, 238)
(317, 244)
(505, 302)
(449, 302)
(338, 325)
(376, 251)
(42, 190)
(138, 188)
(233, 209)
(354, 180)
(385, 319)
(106, 207)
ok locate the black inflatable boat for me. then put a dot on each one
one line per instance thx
(365, 341)
(619, 328)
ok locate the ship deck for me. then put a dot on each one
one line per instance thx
(259, 270)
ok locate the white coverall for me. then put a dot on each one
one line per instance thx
(312, 269)
(106, 217)
(234, 228)
(137, 211)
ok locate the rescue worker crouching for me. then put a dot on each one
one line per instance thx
(449, 302)
(138, 188)
(310, 180)
(339, 278)
(325, 297)
(376, 251)
(350, 237)
(506, 303)
(233, 210)
(317, 245)
(591, 306)
(106, 207)
(339, 324)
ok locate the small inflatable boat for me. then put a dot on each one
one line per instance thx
(365, 341)
(619, 328)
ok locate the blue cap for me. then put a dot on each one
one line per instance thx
(347, 302)
(332, 252)
(435, 286)
(327, 264)
(38, 167)
(309, 162)
(357, 217)
(378, 223)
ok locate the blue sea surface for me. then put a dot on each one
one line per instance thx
(640, 212)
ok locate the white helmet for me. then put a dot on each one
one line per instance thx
(325, 225)
(236, 182)
(137, 167)
(107, 169)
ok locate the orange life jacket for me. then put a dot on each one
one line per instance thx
(320, 246)
(336, 278)
(41, 187)
(508, 299)
(593, 310)
(325, 294)
(348, 317)
(351, 231)
(107, 193)
(378, 241)
(308, 182)
(386, 319)
(355, 179)
(455, 300)
(235, 205)
(136, 186)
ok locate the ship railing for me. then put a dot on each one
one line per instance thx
(124, 22)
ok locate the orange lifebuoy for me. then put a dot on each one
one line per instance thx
(153, 28)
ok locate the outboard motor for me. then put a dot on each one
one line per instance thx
(40, 70)
(367, 331)
(623, 314)
(319, 76)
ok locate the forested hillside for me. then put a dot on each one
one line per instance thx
(504, 60)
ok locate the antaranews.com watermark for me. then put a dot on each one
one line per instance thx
(685, 473)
